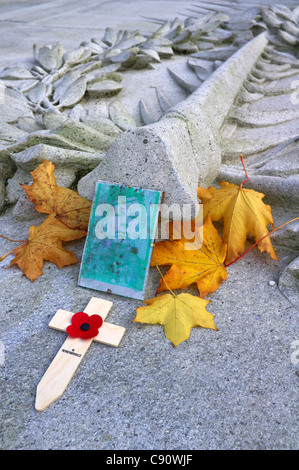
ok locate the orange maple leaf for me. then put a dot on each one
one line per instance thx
(45, 244)
(203, 265)
(72, 209)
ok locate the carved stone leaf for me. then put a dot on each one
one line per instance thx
(154, 56)
(52, 120)
(61, 86)
(127, 43)
(146, 115)
(110, 37)
(186, 85)
(37, 94)
(11, 111)
(74, 93)
(120, 116)
(102, 124)
(104, 88)
(46, 58)
(84, 135)
(100, 75)
(74, 56)
(164, 103)
(16, 73)
(186, 47)
(127, 58)
(10, 133)
(58, 51)
(28, 124)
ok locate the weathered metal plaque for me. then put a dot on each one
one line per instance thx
(119, 241)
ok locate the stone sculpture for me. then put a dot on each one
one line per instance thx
(230, 80)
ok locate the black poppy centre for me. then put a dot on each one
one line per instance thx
(85, 327)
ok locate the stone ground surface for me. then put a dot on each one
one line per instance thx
(235, 388)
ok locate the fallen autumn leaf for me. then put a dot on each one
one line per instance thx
(202, 265)
(177, 313)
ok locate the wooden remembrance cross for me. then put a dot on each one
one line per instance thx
(68, 358)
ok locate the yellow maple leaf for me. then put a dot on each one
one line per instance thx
(45, 244)
(72, 209)
(177, 313)
(203, 264)
(242, 211)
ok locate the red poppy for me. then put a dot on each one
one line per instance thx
(84, 326)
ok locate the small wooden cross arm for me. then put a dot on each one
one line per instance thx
(108, 333)
(68, 358)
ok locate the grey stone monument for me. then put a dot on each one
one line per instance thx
(172, 106)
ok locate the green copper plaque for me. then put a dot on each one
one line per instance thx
(118, 245)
